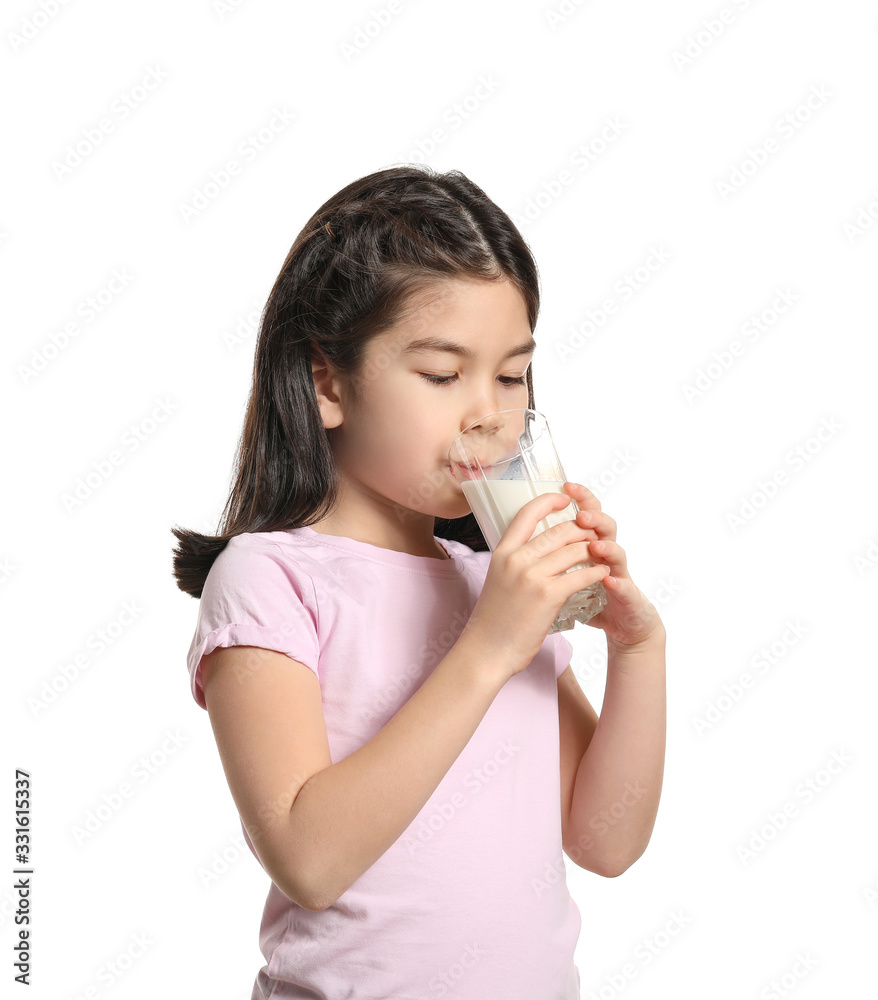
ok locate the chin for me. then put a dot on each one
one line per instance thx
(452, 511)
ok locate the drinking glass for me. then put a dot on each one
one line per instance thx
(504, 460)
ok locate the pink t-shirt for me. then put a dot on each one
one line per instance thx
(471, 902)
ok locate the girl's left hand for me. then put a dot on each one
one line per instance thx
(628, 619)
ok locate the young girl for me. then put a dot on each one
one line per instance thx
(406, 745)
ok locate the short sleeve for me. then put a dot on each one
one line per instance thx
(563, 653)
(255, 594)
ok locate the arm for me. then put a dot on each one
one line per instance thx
(349, 814)
(318, 826)
(613, 791)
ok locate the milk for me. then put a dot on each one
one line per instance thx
(495, 502)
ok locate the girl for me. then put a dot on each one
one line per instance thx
(407, 747)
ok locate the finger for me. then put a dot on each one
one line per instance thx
(524, 524)
(610, 553)
(604, 526)
(585, 499)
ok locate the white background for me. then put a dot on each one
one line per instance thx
(795, 575)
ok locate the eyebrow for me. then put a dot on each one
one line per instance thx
(426, 344)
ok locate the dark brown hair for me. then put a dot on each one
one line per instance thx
(360, 260)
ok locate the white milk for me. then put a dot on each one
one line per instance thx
(495, 502)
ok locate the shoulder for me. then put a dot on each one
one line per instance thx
(258, 560)
(251, 548)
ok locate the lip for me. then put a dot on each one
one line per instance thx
(468, 471)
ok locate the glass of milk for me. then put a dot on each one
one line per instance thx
(504, 460)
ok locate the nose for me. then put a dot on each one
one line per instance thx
(476, 446)
(488, 423)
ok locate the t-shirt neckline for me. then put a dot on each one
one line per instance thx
(439, 567)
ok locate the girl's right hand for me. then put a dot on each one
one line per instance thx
(523, 591)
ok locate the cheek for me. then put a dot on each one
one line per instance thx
(404, 417)
(411, 406)
(398, 443)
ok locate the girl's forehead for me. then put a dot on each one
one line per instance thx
(435, 300)
(437, 317)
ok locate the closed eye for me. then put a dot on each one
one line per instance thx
(507, 380)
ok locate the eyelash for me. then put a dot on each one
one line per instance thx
(447, 379)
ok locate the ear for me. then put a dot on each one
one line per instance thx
(327, 384)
